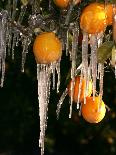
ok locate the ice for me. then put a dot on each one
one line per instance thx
(22, 13)
(85, 63)
(67, 42)
(3, 29)
(13, 45)
(73, 57)
(69, 13)
(58, 74)
(43, 77)
(25, 44)
(53, 75)
(93, 44)
(44, 73)
(80, 85)
(101, 75)
(14, 5)
(61, 102)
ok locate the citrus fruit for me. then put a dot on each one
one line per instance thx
(93, 18)
(76, 89)
(47, 48)
(93, 111)
(62, 3)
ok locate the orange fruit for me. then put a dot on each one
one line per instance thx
(109, 13)
(62, 3)
(47, 48)
(93, 18)
(93, 111)
(76, 89)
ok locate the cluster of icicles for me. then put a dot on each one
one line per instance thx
(10, 35)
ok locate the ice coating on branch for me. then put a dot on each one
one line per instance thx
(3, 32)
(93, 44)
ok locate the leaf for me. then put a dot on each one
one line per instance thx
(25, 2)
(104, 51)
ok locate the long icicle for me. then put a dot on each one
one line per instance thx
(85, 63)
(3, 30)
(93, 44)
(73, 57)
(43, 76)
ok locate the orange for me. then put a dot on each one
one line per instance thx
(76, 89)
(93, 18)
(47, 48)
(62, 3)
(93, 111)
(109, 13)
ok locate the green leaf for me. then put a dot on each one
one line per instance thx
(104, 51)
(113, 60)
(25, 2)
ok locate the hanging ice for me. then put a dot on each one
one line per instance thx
(3, 30)
(44, 76)
(22, 13)
(85, 63)
(73, 57)
(93, 44)
(101, 75)
(25, 44)
(60, 102)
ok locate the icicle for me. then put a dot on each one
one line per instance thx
(14, 9)
(25, 43)
(53, 65)
(85, 63)
(58, 74)
(80, 85)
(101, 75)
(50, 5)
(93, 44)
(73, 57)
(67, 42)
(60, 102)
(3, 26)
(22, 13)
(43, 76)
(69, 13)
